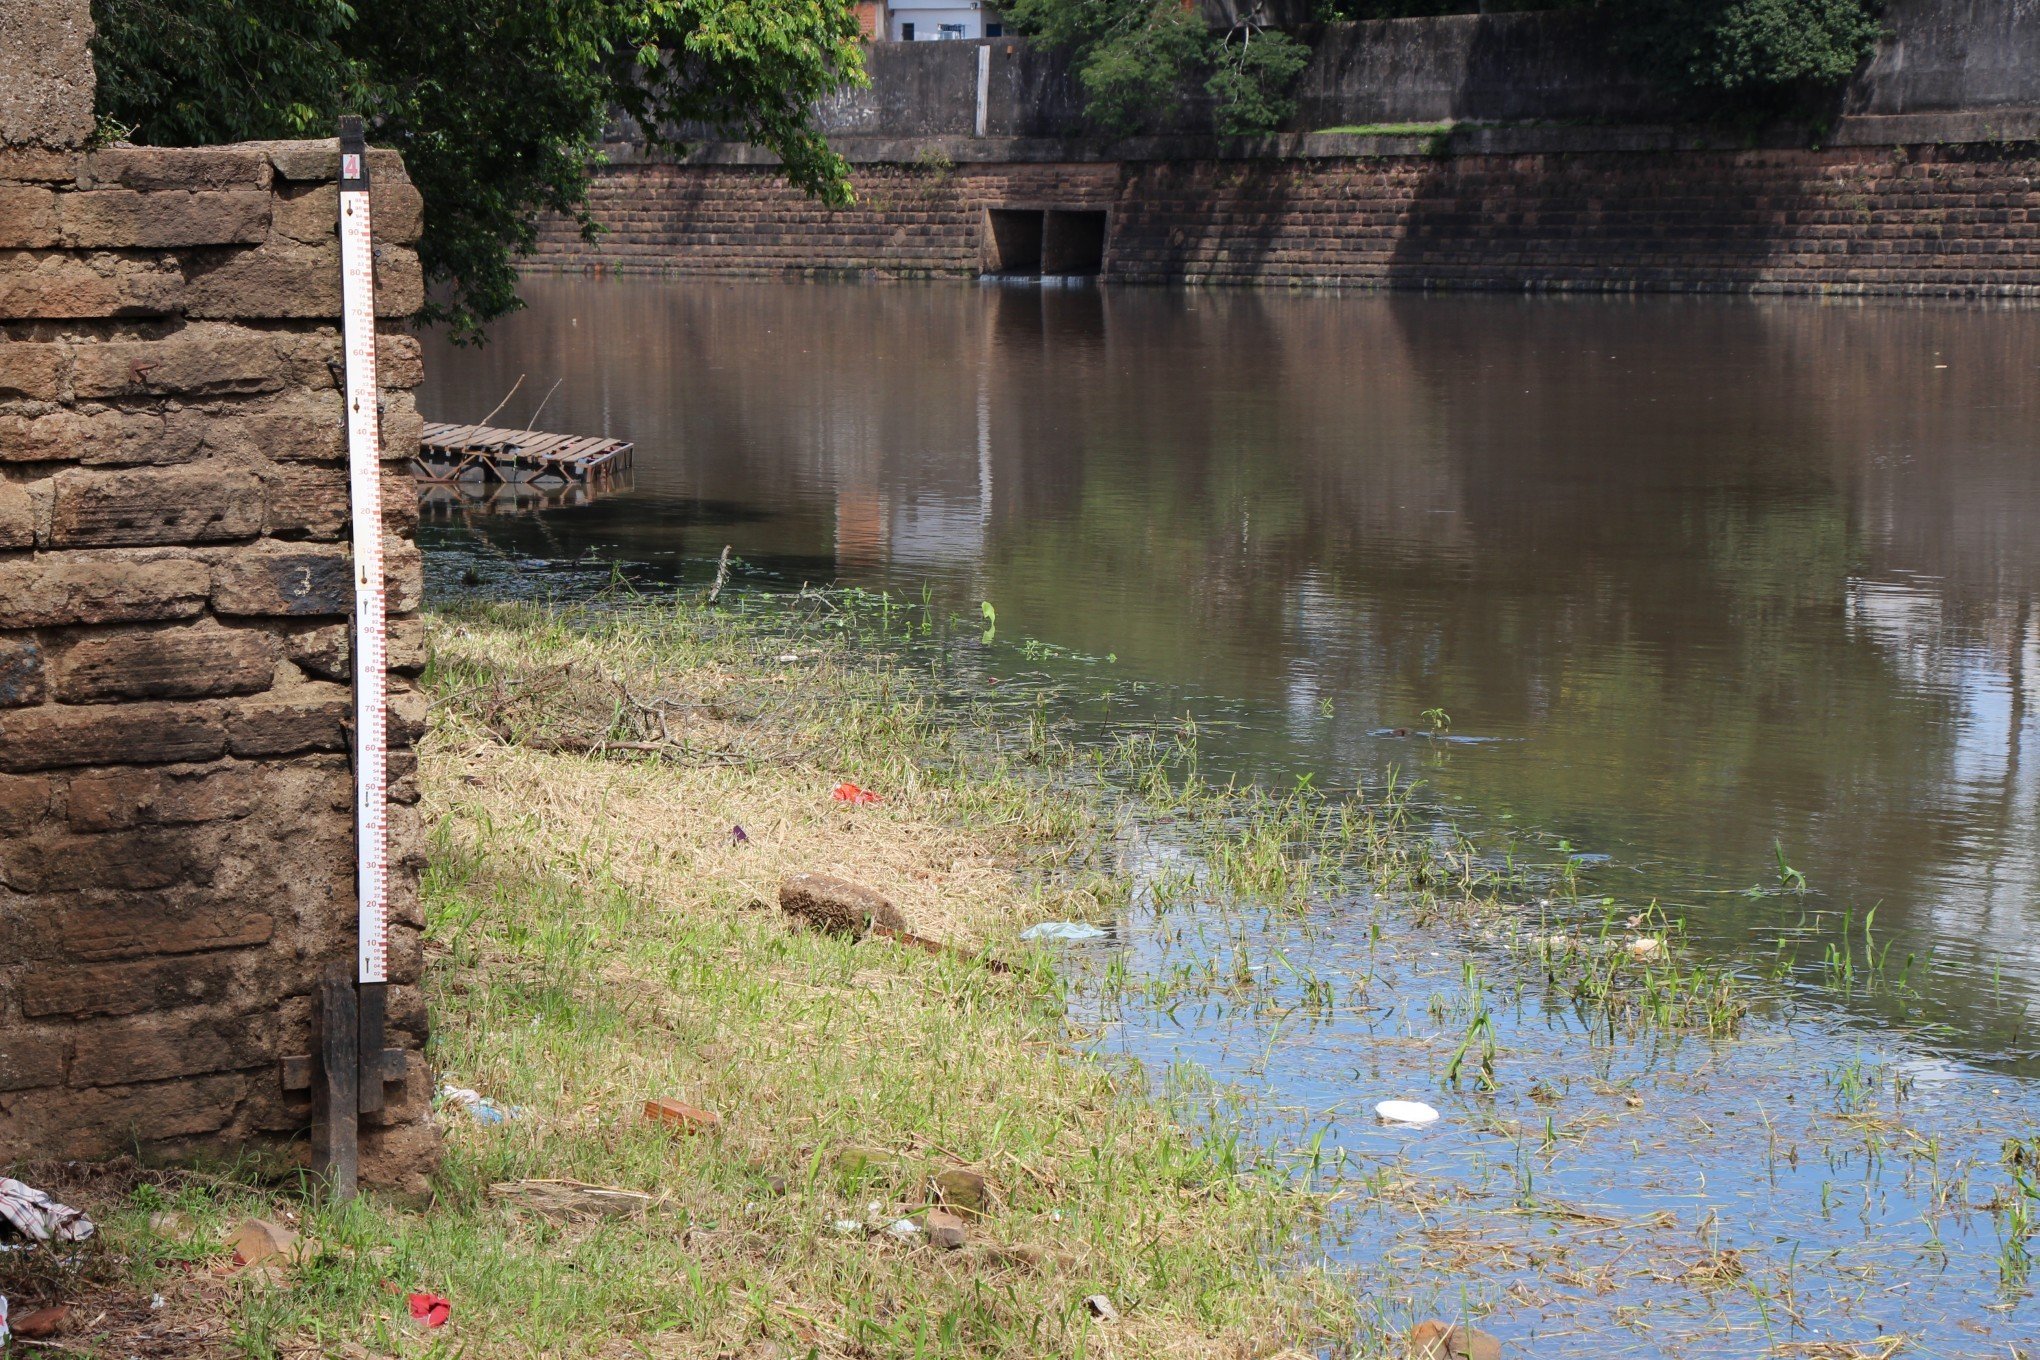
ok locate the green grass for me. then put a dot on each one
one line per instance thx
(1388, 129)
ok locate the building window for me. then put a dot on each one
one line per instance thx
(995, 30)
(906, 32)
(951, 31)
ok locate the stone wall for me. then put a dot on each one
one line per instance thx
(176, 831)
(1922, 219)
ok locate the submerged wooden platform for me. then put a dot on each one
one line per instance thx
(450, 453)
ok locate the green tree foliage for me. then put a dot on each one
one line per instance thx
(495, 104)
(1750, 56)
(1136, 58)
(1252, 72)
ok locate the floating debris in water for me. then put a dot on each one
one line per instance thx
(1067, 931)
(1405, 1112)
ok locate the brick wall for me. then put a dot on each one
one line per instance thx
(1926, 219)
(176, 835)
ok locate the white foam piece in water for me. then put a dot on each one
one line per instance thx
(1405, 1112)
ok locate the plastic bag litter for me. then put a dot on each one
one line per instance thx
(1405, 1112)
(39, 1218)
(1063, 930)
(429, 1310)
(3, 1320)
(480, 1108)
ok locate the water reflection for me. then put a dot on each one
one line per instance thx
(1721, 574)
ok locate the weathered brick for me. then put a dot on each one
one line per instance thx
(17, 517)
(38, 165)
(312, 215)
(123, 988)
(24, 801)
(137, 860)
(21, 672)
(128, 926)
(204, 358)
(193, 662)
(129, 220)
(271, 579)
(291, 280)
(106, 1121)
(177, 168)
(100, 588)
(314, 718)
(103, 437)
(179, 505)
(408, 710)
(152, 1048)
(310, 500)
(323, 653)
(401, 425)
(206, 795)
(50, 738)
(54, 286)
(109, 800)
(28, 217)
(30, 1060)
(300, 426)
(39, 370)
(399, 359)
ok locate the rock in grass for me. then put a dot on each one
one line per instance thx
(961, 1190)
(945, 1229)
(259, 1242)
(1436, 1341)
(837, 905)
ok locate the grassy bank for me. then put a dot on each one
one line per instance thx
(599, 934)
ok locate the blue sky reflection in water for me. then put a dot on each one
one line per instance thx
(1709, 582)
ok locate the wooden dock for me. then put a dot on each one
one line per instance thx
(451, 453)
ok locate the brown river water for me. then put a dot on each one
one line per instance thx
(1708, 587)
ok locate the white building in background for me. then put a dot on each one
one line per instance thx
(934, 20)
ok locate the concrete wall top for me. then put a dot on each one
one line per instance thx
(46, 80)
(1942, 56)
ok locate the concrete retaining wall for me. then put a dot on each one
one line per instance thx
(176, 831)
(1930, 220)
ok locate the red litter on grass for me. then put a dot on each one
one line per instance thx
(847, 792)
(430, 1309)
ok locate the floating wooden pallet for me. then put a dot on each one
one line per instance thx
(449, 453)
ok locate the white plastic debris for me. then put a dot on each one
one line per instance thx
(39, 1218)
(480, 1108)
(850, 1227)
(1405, 1112)
(905, 1229)
(156, 1302)
(3, 1320)
(1067, 931)
(1101, 1308)
(1646, 947)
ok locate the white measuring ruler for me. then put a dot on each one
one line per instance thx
(371, 649)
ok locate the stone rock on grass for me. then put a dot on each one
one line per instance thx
(259, 1242)
(945, 1229)
(1436, 1341)
(960, 1190)
(837, 905)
